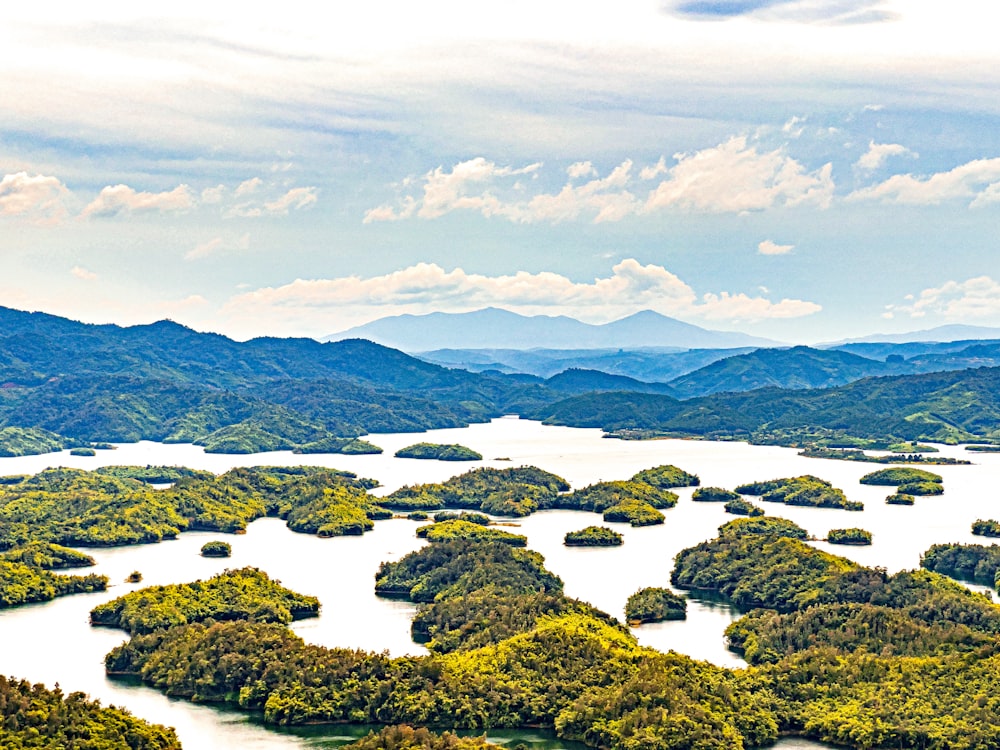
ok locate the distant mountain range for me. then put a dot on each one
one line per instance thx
(946, 333)
(492, 328)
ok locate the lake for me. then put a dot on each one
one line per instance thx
(53, 642)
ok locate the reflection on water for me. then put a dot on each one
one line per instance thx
(53, 642)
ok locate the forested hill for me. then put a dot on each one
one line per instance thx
(167, 382)
(944, 406)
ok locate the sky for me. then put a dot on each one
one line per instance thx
(804, 170)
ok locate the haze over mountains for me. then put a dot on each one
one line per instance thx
(492, 328)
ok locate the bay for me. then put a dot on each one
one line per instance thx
(53, 642)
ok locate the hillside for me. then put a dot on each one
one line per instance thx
(946, 406)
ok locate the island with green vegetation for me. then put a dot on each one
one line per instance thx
(806, 490)
(33, 716)
(345, 446)
(503, 492)
(593, 536)
(30, 441)
(742, 507)
(964, 562)
(244, 594)
(917, 456)
(82, 452)
(216, 549)
(714, 495)
(439, 452)
(465, 515)
(907, 480)
(405, 737)
(986, 528)
(634, 512)
(858, 537)
(444, 531)
(655, 605)
(900, 498)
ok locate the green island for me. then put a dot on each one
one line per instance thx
(405, 737)
(714, 495)
(33, 716)
(82, 452)
(742, 507)
(901, 477)
(345, 446)
(244, 594)
(216, 549)
(900, 498)
(986, 528)
(858, 537)
(117, 506)
(806, 490)
(634, 512)
(30, 441)
(503, 492)
(913, 455)
(593, 536)
(965, 562)
(654, 605)
(439, 452)
(471, 516)
(983, 448)
(443, 531)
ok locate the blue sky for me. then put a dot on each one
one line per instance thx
(800, 169)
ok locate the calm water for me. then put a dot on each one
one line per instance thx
(53, 642)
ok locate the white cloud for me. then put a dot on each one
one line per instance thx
(217, 245)
(83, 274)
(974, 298)
(213, 195)
(38, 197)
(732, 177)
(768, 247)
(581, 169)
(977, 180)
(248, 186)
(117, 199)
(793, 127)
(425, 287)
(736, 177)
(878, 153)
(294, 199)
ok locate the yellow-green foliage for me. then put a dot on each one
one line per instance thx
(245, 594)
(635, 512)
(806, 490)
(403, 737)
(502, 492)
(900, 475)
(459, 529)
(32, 716)
(23, 584)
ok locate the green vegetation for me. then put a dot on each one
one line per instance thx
(418, 515)
(667, 477)
(502, 492)
(634, 512)
(769, 526)
(30, 441)
(24, 584)
(921, 488)
(82, 452)
(134, 577)
(714, 495)
(806, 490)
(453, 452)
(593, 536)
(655, 605)
(899, 498)
(47, 556)
(742, 507)
(986, 528)
(458, 529)
(900, 476)
(966, 562)
(116, 506)
(33, 716)
(244, 594)
(849, 536)
(216, 549)
(447, 515)
(902, 456)
(346, 446)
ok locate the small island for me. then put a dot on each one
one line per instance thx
(471, 516)
(439, 452)
(216, 549)
(634, 512)
(742, 507)
(807, 491)
(345, 446)
(593, 536)
(82, 452)
(655, 605)
(900, 476)
(447, 531)
(134, 577)
(986, 528)
(899, 498)
(858, 537)
(714, 495)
